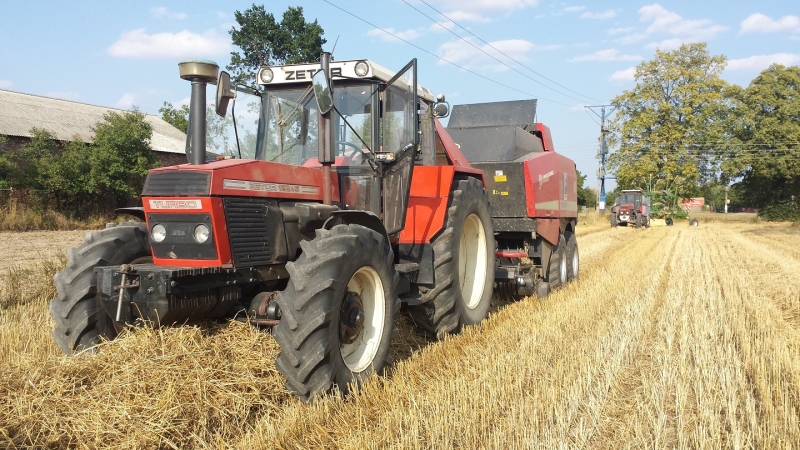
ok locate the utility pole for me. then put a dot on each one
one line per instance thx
(601, 171)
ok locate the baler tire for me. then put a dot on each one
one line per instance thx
(344, 260)
(557, 267)
(444, 308)
(573, 257)
(81, 322)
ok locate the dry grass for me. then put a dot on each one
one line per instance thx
(674, 337)
(15, 217)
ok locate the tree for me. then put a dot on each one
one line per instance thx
(263, 41)
(177, 117)
(586, 196)
(765, 154)
(670, 124)
(121, 155)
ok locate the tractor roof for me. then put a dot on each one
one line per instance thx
(342, 70)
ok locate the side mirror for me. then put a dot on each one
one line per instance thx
(224, 93)
(322, 92)
(441, 109)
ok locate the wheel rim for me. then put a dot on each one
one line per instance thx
(362, 318)
(575, 263)
(472, 261)
(562, 269)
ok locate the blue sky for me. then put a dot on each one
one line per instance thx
(119, 54)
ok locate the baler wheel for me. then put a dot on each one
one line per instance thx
(463, 265)
(573, 257)
(557, 268)
(81, 322)
(338, 311)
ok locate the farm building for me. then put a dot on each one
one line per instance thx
(66, 119)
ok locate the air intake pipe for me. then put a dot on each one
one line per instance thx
(200, 73)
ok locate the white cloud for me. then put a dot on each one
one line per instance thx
(758, 63)
(610, 54)
(600, 15)
(441, 26)
(476, 10)
(140, 45)
(616, 31)
(126, 101)
(5, 84)
(407, 35)
(578, 107)
(759, 23)
(628, 74)
(160, 12)
(574, 8)
(668, 22)
(464, 54)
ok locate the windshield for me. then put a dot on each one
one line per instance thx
(629, 199)
(292, 125)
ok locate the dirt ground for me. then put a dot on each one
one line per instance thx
(25, 249)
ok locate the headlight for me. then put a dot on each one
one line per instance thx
(361, 68)
(159, 233)
(201, 233)
(266, 75)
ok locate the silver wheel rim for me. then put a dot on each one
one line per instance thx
(562, 269)
(575, 263)
(359, 354)
(472, 263)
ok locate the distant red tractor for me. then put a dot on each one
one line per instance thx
(357, 201)
(631, 208)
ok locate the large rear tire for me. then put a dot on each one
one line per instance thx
(81, 323)
(338, 311)
(573, 257)
(463, 265)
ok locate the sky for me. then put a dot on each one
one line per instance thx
(566, 54)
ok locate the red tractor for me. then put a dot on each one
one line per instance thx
(357, 201)
(631, 208)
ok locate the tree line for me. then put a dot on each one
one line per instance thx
(684, 130)
(80, 179)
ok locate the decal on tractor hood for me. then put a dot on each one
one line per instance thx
(243, 185)
(175, 204)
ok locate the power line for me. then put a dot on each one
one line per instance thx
(488, 54)
(443, 59)
(493, 47)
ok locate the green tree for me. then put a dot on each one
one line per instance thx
(586, 196)
(765, 154)
(121, 155)
(264, 41)
(669, 124)
(177, 117)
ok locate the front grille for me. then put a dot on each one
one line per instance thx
(248, 221)
(177, 183)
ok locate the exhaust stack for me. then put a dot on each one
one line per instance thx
(200, 72)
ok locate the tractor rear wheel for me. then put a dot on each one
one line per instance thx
(573, 258)
(338, 311)
(557, 267)
(463, 265)
(81, 322)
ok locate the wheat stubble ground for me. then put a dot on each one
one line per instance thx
(674, 337)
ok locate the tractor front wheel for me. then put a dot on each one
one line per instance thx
(337, 312)
(463, 265)
(81, 322)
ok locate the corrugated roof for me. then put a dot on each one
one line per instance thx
(65, 119)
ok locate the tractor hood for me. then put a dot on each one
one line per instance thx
(238, 178)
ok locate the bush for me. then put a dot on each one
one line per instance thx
(781, 212)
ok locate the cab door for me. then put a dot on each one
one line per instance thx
(399, 142)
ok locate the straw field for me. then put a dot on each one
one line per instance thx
(674, 337)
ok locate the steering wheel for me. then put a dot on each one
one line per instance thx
(355, 147)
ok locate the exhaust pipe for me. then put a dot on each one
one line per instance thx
(200, 73)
